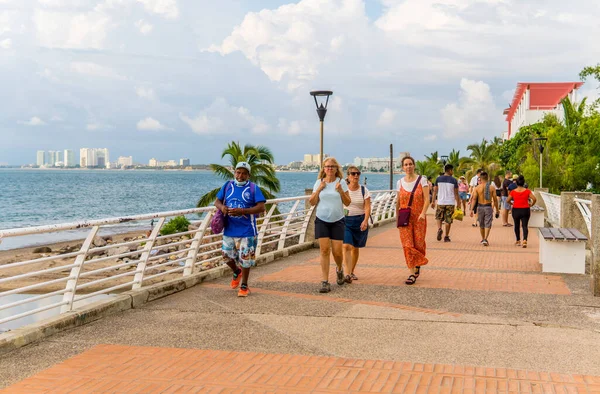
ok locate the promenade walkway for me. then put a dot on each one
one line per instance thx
(478, 320)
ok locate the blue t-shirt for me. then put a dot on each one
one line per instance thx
(240, 197)
(330, 208)
(512, 186)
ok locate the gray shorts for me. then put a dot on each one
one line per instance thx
(506, 205)
(485, 216)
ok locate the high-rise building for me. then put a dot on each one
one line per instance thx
(69, 158)
(184, 162)
(94, 157)
(41, 158)
(125, 161)
(52, 158)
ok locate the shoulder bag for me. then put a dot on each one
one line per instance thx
(403, 216)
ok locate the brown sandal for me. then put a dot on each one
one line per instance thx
(411, 280)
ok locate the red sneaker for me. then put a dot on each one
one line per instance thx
(235, 282)
(243, 292)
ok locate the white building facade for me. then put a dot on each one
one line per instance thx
(125, 161)
(94, 157)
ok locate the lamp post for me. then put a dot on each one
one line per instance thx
(321, 111)
(541, 144)
(444, 159)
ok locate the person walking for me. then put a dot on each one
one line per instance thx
(504, 196)
(240, 201)
(522, 200)
(445, 194)
(330, 195)
(463, 192)
(473, 183)
(413, 235)
(357, 221)
(484, 196)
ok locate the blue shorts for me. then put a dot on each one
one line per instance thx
(241, 250)
(505, 205)
(354, 235)
(463, 195)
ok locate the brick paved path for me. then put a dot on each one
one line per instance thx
(469, 288)
(127, 369)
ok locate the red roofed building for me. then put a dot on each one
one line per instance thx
(533, 100)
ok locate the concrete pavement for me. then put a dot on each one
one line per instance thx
(474, 309)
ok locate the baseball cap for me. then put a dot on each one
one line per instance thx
(515, 177)
(462, 177)
(243, 164)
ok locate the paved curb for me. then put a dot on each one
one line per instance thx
(128, 300)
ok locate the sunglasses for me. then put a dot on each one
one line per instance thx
(355, 173)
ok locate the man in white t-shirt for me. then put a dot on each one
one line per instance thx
(445, 194)
(472, 185)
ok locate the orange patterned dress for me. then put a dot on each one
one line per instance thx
(413, 235)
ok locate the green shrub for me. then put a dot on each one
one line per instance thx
(176, 225)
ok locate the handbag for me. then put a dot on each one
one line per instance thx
(404, 213)
(219, 221)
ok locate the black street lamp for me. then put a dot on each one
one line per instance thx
(321, 111)
(444, 159)
(541, 145)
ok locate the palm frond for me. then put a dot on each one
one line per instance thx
(208, 198)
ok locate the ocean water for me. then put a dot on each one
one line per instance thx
(42, 197)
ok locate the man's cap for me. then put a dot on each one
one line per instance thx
(462, 177)
(515, 177)
(243, 164)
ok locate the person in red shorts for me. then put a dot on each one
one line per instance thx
(522, 200)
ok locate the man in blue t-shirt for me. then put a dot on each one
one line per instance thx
(240, 201)
(445, 194)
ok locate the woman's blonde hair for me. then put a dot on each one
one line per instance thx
(338, 171)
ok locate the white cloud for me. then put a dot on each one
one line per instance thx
(430, 138)
(150, 124)
(474, 113)
(95, 70)
(48, 74)
(56, 118)
(6, 43)
(145, 93)
(386, 118)
(144, 27)
(97, 126)
(166, 8)
(223, 118)
(293, 127)
(34, 121)
(71, 30)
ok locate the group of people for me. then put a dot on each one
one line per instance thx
(343, 208)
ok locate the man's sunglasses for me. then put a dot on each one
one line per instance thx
(355, 173)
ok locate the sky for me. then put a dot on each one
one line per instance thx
(172, 79)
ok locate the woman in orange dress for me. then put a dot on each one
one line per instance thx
(413, 235)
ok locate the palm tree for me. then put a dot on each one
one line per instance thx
(574, 113)
(484, 156)
(427, 168)
(260, 159)
(460, 164)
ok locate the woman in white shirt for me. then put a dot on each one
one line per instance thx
(413, 235)
(357, 221)
(330, 193)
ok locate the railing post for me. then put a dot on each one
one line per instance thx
(71, 286)
(286, 224)
(263, 228)
(308, 228)
(141, 267)
(196, 244)
(595, 236)
(570, 217)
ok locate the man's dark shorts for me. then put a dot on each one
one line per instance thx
(334, 231)
(444, 213)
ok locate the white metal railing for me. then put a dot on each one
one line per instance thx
(585, 207)
(59, 279)
(552, 202)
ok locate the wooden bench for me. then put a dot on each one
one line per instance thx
(562, 250)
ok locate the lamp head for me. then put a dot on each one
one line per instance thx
(323, 95)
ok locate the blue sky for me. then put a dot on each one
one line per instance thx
(182, 78)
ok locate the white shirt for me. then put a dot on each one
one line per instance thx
(357, 205)
(330, 208)
(408, 186)
(474, 181)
